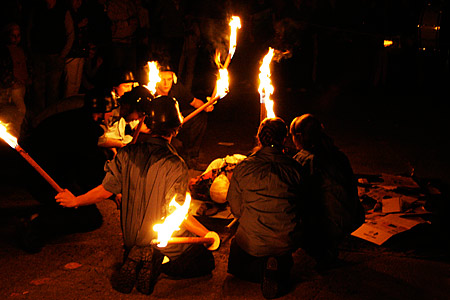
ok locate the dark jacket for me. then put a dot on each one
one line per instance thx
(265, 194)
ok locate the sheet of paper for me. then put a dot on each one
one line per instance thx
(379, 230)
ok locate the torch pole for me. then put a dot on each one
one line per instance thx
(211, 240)
(38, 168)
(137, 131)
(186, 240)
(263, 111)
(200, 109)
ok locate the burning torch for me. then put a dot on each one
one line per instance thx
(153, 79)
(172, 223)
(266, 88)
(12, 142)
(221, 87)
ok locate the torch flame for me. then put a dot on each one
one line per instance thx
(173, 221)
(235, 24)
(153, 76)
(266, 88)
(6, 136)
(222, 83)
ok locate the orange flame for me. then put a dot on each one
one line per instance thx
(266, 88)
(6, 136)
(387, 43)
(153, 76)
(173, 221)
(235, 24)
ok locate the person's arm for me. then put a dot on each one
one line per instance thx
(111, 143)
(196, 103)
(67, 199)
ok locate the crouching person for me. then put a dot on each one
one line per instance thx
(148, 175)
(264, 193)
(334, 209)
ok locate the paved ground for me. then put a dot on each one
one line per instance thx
(396, 130)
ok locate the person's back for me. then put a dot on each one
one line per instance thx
(334, 209)
(152, 173)
(265, 194)
(268, 182)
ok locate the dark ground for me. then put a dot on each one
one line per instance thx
(400, 128)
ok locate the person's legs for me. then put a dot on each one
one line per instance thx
(196, 261)
(191, 135)
(39, 69)
(272, 272)
(55, 69)
(243, 265)
(73, 72)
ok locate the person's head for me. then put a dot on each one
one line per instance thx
(168, 78)
(98, 102)
(134, 104)
(13, 34)
(122, 81)
(164, 117)
(272, 132)
(308, 133)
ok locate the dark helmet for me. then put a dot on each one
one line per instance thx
(163, 115)
(119, 76)
(138, 99)
(100, 100)
(272, 132)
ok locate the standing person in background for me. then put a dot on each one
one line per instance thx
(265, 194)
(75, 59)
(167, 29)
(50, 37)
(334, 209)
(191, 134)
(124, 19)
(15, 77)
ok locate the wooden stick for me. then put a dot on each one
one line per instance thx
(186, 240)
(38, 168)
(200, 109)
(137, 131)
(211, 240)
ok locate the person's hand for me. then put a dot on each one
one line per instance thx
(118, 200)
(66, 199)
(211, 107)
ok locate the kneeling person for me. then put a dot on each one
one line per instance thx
(148, 175)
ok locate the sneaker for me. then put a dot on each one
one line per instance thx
(125, 279)
(270, 285)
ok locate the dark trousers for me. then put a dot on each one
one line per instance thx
(195, 262)
(191, 135)
(251, 268)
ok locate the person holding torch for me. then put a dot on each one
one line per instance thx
(148, 175)
(191, 135)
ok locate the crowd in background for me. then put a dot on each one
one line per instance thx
(69, 46)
